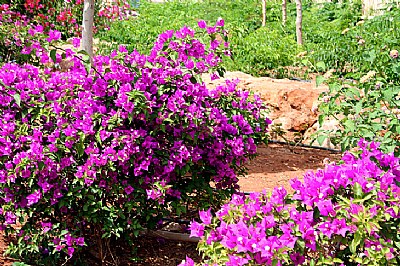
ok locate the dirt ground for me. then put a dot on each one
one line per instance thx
(276, 164)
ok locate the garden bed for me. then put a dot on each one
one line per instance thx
(275, 166)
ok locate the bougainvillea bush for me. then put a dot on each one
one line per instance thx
(345, 214)
(66, 16)
(108, 150)
(19, 17)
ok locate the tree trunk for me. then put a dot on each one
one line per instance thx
(299, 22)
(87, 33)
(264, 12)
(284, 12)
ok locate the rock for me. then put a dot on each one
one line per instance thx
(290, 103)
(293, 104)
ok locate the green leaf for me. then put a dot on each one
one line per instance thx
(361, 200)
(80, 149)
(321, 139)
(87, 65)
(193, 80)
(358, 107)
(398, 129)
(17, 99)
(91, 197)
(304, 62)
(396, 68)
(358, 260)
(41, 165)
(301, 244)
(349, 125)
(97, 136)
(83, 52)
(355, 242)
(319, 80)
(357, 190)
(321, 65)
(337, 260)
(53, 54)
(396, 209)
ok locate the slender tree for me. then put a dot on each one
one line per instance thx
(264, 12)
(299, 22)
(284, 12)
(87, 33)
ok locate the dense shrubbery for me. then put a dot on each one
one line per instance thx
(368, 107)
(18, 18)
(259, 52)
(139, 33)
(346, 214)
(356, 48)
(364, 87)
(108, 152)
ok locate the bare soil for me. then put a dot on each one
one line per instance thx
(276, 164)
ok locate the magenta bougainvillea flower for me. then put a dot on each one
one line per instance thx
(344, 213)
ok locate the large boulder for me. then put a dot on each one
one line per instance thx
(293, 103)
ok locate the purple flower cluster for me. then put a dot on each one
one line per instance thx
(346, 213)
(112, 148)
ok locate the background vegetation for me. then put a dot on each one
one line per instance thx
(268, 51)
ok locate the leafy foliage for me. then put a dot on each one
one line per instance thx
(367, 109)
(364, 90)
(354, 49)
(259, 52)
